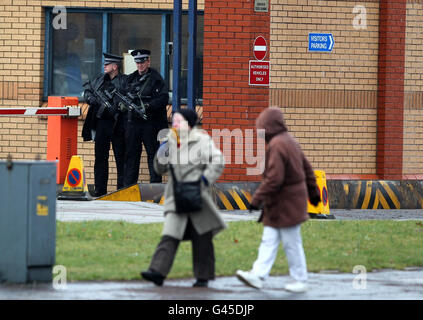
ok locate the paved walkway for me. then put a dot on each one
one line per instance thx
(144, 212)
(385, 284)
(135, 212)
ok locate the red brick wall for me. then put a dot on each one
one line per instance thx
(392, 27)
(230, 28)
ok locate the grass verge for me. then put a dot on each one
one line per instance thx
(101, 250)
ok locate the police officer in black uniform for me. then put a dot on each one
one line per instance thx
(105, 123)
(149, 90)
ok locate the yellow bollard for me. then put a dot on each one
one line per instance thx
(75, 186)
(321, 211)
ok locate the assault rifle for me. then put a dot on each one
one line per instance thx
(104, 99)
(128, 103)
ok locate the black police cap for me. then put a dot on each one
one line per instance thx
(111, 58)
(141, 55)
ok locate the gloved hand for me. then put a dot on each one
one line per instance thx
(315, 200)
(91, 100)
(252, 207)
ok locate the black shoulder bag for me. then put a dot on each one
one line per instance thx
(187, 195)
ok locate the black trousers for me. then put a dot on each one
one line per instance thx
(202, 254)
(109, 131)
(140, 132)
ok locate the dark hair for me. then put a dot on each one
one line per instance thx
(190, 116)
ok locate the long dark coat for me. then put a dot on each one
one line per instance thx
(288, 177)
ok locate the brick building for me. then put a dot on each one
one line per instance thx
(356, 110)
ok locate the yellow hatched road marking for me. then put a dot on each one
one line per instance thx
(128, 194)
(161, 200)
(225, 201)
(247, 195)
(379, 198)
(366, 200)
(238, 200)
(391, 194)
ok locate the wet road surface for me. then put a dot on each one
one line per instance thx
(385, 284)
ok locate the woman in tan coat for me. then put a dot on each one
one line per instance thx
(288, 181)
(193, 156)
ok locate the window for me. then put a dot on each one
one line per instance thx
(74, 55)
(132, 31)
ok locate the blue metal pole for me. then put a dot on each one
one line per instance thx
(163, 48)
(48, 77)
(192, 53)
(105, 37)
(177, 40)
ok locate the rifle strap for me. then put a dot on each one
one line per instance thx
(142, 90)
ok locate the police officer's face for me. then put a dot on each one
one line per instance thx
(108, 68)
(111, 69)
(142, 67)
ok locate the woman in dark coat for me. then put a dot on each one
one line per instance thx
(288, 182)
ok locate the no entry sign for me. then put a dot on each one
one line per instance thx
(260, 48)
(259, 73)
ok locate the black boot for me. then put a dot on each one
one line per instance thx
(201, 283)
(153, 276)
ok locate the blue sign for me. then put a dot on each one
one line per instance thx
(322, 42)
(74, 177)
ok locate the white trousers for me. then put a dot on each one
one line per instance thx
(293, 246)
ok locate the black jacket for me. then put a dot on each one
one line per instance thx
(154, 95)
(100, 83)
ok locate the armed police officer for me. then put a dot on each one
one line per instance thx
(105, 122)
(149, 92)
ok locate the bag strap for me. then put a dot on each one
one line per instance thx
(173, 173)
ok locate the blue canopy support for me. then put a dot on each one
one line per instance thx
(177, 40)
(192, 53)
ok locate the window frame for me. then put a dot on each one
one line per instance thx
(106, 40)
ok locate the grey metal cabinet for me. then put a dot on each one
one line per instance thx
(27, 221)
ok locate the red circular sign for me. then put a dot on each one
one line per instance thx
(325, 196)
(260, 48)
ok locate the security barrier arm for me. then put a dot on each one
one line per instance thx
(65, 111)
